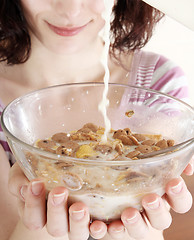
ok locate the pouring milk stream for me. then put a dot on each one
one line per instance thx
(105, 36)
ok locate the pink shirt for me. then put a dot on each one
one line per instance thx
(154, 71)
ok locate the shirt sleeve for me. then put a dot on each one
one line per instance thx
(169, 78)
(156, 72)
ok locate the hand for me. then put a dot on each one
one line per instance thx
(133, 223)
(156, 213)
(36, 213)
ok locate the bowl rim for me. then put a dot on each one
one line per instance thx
(96, 161)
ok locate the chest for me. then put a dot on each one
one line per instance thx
(13, 81)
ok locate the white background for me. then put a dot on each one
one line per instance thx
(176, 42)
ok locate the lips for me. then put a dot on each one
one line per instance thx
(67, 31)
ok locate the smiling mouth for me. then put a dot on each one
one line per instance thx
(67, 31)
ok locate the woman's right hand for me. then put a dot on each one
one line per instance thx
(37, 213)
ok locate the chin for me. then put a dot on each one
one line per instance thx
(65, 49)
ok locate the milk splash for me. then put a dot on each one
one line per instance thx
(105, 55)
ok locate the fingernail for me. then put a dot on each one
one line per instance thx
(58, 198)
(78, 215)
(177, 189)
(153, 205)
(131, 220)
(23, 191)
(97, 229)
(118, 230)
(37, 187)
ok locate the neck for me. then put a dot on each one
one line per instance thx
(45, 68)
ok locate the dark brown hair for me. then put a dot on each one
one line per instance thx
(15, 41)
(131, 28)
(133, 25)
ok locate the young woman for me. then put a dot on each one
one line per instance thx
(50, 42)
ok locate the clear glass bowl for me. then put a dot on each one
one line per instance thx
(107, 187)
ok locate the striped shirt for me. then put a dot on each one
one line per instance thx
(149, 70)
(154, 71)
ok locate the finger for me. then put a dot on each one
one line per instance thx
(34, 213)
(116, 230)
(156, 211)
(134, 223)
(178, 196)
(20, 207)
(57, 219)
(189, 168)
(79, 221)
(98, 229)
(17, 181)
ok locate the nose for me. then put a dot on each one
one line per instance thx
(68, 8)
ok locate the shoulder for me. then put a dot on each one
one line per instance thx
(157, 61)
(2, 80)
(162, 74)
(3, 140)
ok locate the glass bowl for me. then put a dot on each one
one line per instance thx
(107, 187)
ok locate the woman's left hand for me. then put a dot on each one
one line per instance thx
(156, 214)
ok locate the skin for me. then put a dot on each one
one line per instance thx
(31, 205)
(51, 219)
